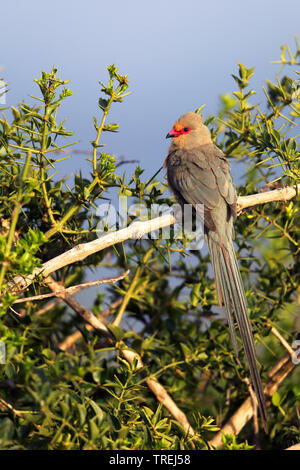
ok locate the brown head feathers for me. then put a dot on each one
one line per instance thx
(188, 132)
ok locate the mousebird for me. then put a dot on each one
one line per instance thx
(198, 173)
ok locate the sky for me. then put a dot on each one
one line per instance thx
(178, 56)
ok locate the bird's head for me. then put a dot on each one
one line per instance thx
(189, 131)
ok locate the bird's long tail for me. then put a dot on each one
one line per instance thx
(231, 292)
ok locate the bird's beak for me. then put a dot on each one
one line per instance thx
(171, 134)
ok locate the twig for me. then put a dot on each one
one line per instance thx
(10, 407)
(48, 307)
(245, 412)
(135, 231)
(73, 289)
(129, 355)
(133, 288)
(284, 343)
(255, 413)
(68, 342)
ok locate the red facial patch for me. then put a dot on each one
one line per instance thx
(177, 132)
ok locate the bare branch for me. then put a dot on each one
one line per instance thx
(284, 194)
(135, 231)
(73, 289)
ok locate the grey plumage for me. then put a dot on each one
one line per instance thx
(198, 173)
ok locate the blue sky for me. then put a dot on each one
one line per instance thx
(178, 55)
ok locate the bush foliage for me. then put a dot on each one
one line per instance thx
(87, 396)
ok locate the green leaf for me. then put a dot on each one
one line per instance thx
(186, 350)
(98, 411)
(7, 429)
(117, 332)
(243, 71)
(81, 413)
(93, 430)
(103, 103)
(112, 127)
(276, 399)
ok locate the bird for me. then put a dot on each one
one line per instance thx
(198, 172)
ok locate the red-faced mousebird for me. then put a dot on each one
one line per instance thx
(198, 173)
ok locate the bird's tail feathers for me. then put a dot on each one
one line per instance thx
(231, 292)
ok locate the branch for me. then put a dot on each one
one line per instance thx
(130, 355)
(245, 412)
(284, 194)
(68, 342)
(255, 413)
(73, 289)
(135, 231)
(4, 404)
(284, 343)
(48, 307)
(294, 447)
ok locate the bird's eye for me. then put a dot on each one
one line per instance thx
(186, 129)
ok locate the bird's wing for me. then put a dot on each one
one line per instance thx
(201, 176)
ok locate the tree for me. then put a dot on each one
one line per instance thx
(150, 365)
